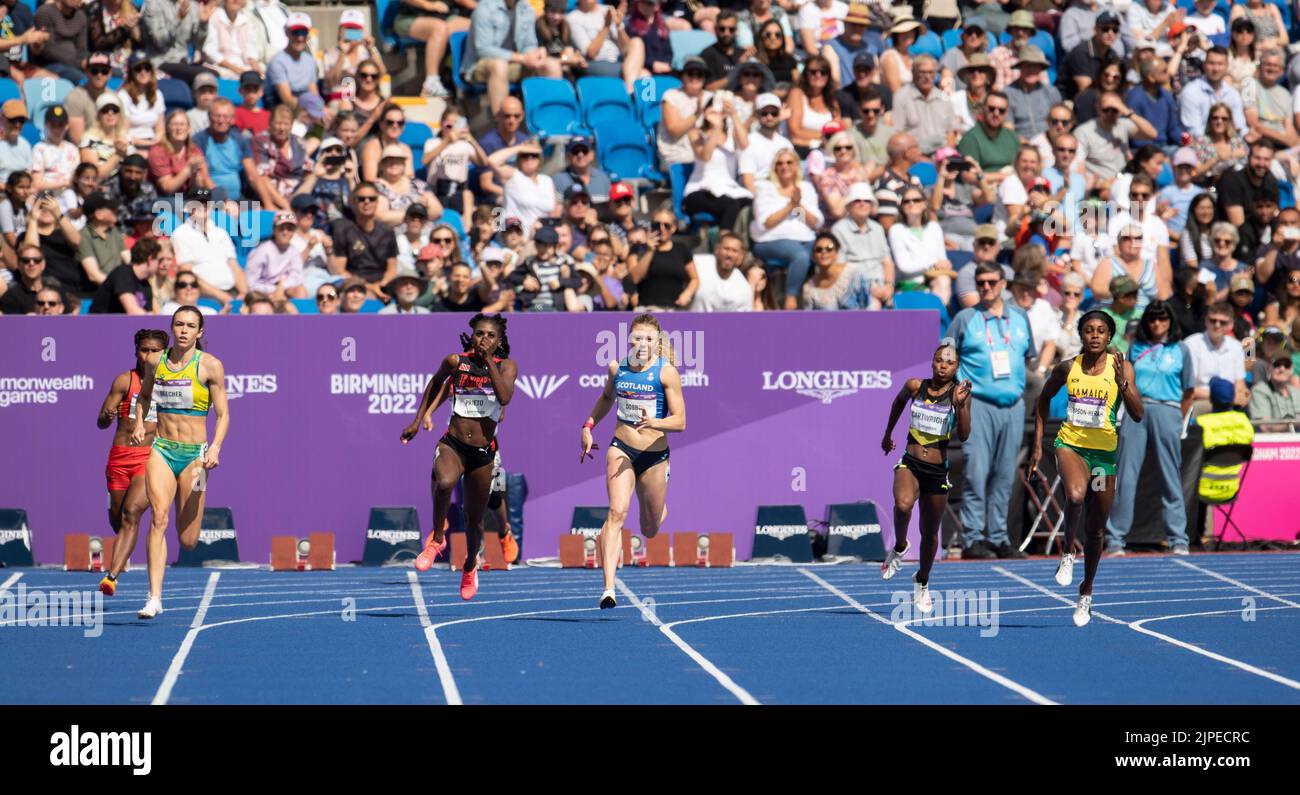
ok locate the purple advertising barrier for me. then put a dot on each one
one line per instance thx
(781, 408)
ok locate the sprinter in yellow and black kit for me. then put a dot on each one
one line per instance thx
(1095, 381)
(939, 406)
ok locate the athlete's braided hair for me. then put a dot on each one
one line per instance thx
(503, 348)
(665, 347)
(150, 334)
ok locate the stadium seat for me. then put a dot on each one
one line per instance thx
(925, 172)
(686, 43)
(85, 305)
(305, 306)
(924, 301)
(9, 90)
(1286, 194)
(230, 90)
(604, 103)
(210, 303)
(114, 83)
(456, 46)
(626, 155)
(41, 93)
(679, 174)
(414, 135)
(647, 95)
(386, 13)
(551, 107)
(31, 134)
(176, 94)
(927, 43)
(453, 219)
(371, 306)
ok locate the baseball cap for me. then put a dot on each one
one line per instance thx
(860, 192)
(352, 284)
(108, 99)
(137, 57)
(576, 142)
(620, 190)
(416, 210)
(250, 79)
(864, 60)
(286, 217)
(1107, 17)
(830, 128)
(430, 251)
(1273, 331)
(1176, 27)
(514, 223)
(56, 114)
(986, 232)
(766, 101)
(399, 151)
(303, 202)
(576, 190)
(492, 254)
(1222, 391)
(298, 20)
(330, 143)
(1145, 44)
(1185, 157)
(944, 153)
(546, 236)
(14, 109)
(1123, 285)
(199, 195)
(696, 64)
(1242, 283)
(205, 80)
(1040, 183)
(975, 22)
(98, 59)
(352, 18)
(313, 105)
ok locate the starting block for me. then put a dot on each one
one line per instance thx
(578, 551)
(714, 550)
(490, 557)
(314, 553)
(657, 551)
(84, 552)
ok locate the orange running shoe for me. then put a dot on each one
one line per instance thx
(509, 547)
(432, 550)
(468, 584)
(108, 585)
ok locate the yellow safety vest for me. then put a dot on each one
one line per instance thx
(1219, 484)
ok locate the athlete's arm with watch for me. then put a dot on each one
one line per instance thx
(1124, 380)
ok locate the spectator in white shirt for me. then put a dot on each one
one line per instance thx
(916, 240)
(863, 244)
(786, 219)
(231, 47)
(723, 287)
(55, 159)
(764, 142)
(208, 250)
(1216, 355)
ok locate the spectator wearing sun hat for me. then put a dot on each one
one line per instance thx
(15, 150)
(293, 71)
(847, 45)
(976, 77)
(1030, 95)
(231, 47)
(863, 243)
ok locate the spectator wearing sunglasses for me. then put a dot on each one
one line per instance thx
(1275, 402)
(293, 71)
(30, 279)
(1215, 354)
(142, 104)
(1084, 59)
(80, 103)
(186, 293)
(15, 150)
(365, 247)
(327, 300)
(508, 131)
(529, 194)
(174, 29)
(356, 48)
(51, 301)
(755, 164)
(580, 168)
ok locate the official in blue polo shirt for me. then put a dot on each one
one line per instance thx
(1164, 377)
(995, 342)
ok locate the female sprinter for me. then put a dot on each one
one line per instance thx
(184, 386)
(938, 402)
(1085, 446)
(647, 391)
(482, 383)
(125, 470)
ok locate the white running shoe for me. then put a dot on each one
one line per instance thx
(1083, 611)
(893, 562)
(921, 597)
(152, 608)
(607, 599)
(1065, 570)
(433, 87)
(1181, 549)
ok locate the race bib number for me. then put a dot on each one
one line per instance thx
(153, 407)
(174, 394)
(1001, 361)
(476, 405)
(930, 420)
(1086, 412)
(632, 410)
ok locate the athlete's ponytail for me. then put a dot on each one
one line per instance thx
(665, 347)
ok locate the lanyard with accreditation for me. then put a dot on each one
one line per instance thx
(1000, 360)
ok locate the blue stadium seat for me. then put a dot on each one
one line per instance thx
(686, 43)
(924, 301)
(927, 43)
(551, 107)
(9, 90)
(414, 135)
(176, 94)
(626, 155)
(1286, 194)
(679, 175)
(959, 259)
(211, 303)
(41, 93)
(925, 172)
(386, 13)
(114, 83)
(85, 305)
(456, 46)
(604, 102)
(230, 90)
(31, 134)
(453, 219)
(648, 94)
(371, 306)
(305, 306)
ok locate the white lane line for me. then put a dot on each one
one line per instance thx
(1016, 687)
(13, 578)
(449, 689)
(1137, 626)
(727, 682)
(174, 670)
(1237, 583)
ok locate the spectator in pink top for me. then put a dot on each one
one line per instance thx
(275, 267)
